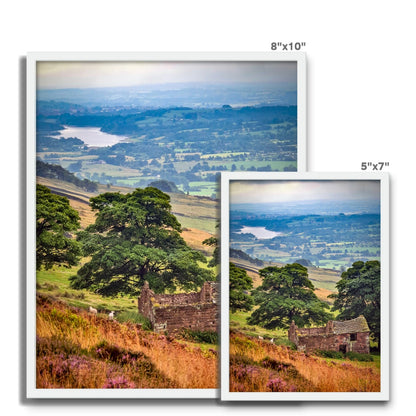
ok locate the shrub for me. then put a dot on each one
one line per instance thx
(244, 343)
(355, 356)
(274, 364)
(330, 354)
(135, 318)
(208, 337)
(139, 362)
(118, 383)
(237, 359)
(49, 286)
(107, 351)
(278, 384)
(57, 345)
(73, 295)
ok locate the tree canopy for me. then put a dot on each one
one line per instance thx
(136, 238)
(240, 283)
(287, 294)
(359, 294)
(165, 186)
(55, 219)
(216, 255)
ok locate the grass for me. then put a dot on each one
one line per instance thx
(257, 365)
(194, 238)
(55, 284)
(76, 349)
(208, 337)
(192, 211)
(238, 322)
(324, 280)
(69, 338)
(134, 317)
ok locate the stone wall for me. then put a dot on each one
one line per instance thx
(201, 317)
(171, 313)
(330, 338)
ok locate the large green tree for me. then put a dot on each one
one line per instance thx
(359, 294)
(55, 219)
(240, 284)
(287, 294)
(136, 238)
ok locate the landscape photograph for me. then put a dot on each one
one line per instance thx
(129, 156)
(303, 270)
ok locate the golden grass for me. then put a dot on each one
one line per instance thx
(254, 363)
(194, 239)
(168, 363)
(198, 215)
(323, 294)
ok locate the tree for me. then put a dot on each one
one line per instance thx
(165, 186)
(287, 294)
(213, 242)
(136, 238)
(55, 219)
(240, 283)
(359, 294)
(216, 254)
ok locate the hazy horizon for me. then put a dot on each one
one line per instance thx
(73, 75)
(276, 191)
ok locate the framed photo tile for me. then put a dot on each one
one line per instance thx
(305, 286)
(124, 155)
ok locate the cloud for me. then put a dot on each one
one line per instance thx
(64, 74)
(267, 191)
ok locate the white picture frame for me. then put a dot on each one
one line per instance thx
(245, 177)
(33, 59)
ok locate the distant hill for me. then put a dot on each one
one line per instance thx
(239, 254)
(47, 170)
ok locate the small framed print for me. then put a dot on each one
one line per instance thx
(124, 155)
(305, 286)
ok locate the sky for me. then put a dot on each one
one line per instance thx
(268, 191)
(65, 74)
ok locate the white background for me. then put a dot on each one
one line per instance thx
(361, 106)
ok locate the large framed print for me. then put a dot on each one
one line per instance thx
(124, 155)
(305, 286)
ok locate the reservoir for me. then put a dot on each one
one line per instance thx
(91, 136)
(259, 232)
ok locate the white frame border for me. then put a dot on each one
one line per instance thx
(32, 59)
(383, 395)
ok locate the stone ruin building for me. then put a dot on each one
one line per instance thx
(171, 313)
(343, 336)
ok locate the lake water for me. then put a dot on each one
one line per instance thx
(91, 136)
(259, 232)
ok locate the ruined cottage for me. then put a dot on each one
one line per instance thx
(171, 313)
(343, 336)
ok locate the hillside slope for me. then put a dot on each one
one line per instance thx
(324, 280)
(197, 215)
(76, 349)
(257, 365)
